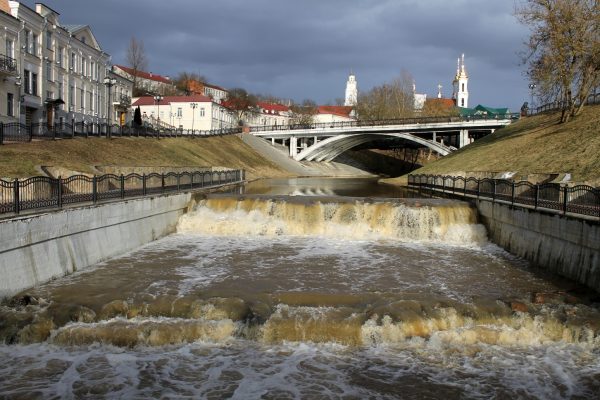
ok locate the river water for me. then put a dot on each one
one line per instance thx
(313, 289)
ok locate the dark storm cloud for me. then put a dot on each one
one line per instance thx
(305, 48)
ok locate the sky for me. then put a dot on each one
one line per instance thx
(305, 49)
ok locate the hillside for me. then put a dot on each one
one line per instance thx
(532, 145)
(81, 154)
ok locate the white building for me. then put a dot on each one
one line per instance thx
(216, 93)
(351, 97)
(60, 68)
(147, 81)
(197, 112)
(327, 114)
(269, 114)
(460, 84)
(9, 69)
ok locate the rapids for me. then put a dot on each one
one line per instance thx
(271, 296)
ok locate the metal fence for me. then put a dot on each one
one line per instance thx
(593, 98)
(578, 200)
(43, 192)
(17, 132)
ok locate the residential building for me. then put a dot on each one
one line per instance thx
(147, 82)
(326, 114)
(196, 112)
(61, 68)
(10, 81)
(269, 114)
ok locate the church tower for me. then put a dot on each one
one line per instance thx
(460, 83)
(351, 91)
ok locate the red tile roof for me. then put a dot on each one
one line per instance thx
(441, 103)
(146, 75)
(342, 111)
(272, 108)
(149, 100)
(215, 87)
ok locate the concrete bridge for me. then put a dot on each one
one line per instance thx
(326, 141)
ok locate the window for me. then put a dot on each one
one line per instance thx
(462, 102)
(83, 66)
(73, 60)
(26, 81)
(93, 70)
(10, 99)
(49, 40)
(10, 48)
(49, 71)
(91, 103)
(463, 87)
(72, 97)
(59, 57)
(60, 90)
(82, 99)
(34, 40)
(179, 112)
(49, 95)
(202, 112)
(27, 35)
(34, 84)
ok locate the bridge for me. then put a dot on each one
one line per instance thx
(326, 141)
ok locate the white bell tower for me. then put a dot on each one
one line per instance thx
(351, 91)
(460, 83)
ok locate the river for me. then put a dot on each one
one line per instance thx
(307, 288)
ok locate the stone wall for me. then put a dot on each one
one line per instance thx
(564, 245)
(36, 249)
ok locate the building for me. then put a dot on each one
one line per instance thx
(216, 93)
(147, 82)
(351, 97)
(196, 112)
(326, 114)
(61, 69)
(269, 114)
(460, 84)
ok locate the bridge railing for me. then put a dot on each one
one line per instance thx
(553, 197)
(42, 192)
(384, 122)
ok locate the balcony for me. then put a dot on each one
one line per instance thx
(8, 65)
(123, 101)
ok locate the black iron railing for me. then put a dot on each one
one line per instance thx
(17, 132)
(384, 122)
(42, 192)
(577, 200)
(8, 64)
(593, 98)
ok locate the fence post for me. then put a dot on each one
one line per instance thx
(178, 177)
(16, 200)
(1, 132)
(72, 127)
(60, 192)
(95, 189)
(31, 132)
(537, 196)
(494, 192)
(143, 184)
(122, 186)
(565, 198)
(512, 196)
(162, 176)
(478, 187)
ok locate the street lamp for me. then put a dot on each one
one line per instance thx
(108, 82)
(532, 87)
(193, 105)
(158, 99)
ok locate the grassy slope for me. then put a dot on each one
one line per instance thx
(532, 145)
(80, 154)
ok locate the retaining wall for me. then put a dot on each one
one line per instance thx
(561, 244)
(38, 248)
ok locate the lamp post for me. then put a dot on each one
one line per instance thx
(532, 87)
(193, 105)
(158, 99)
(109, 83)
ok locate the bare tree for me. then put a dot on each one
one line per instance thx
(388, 101)
(304, 113)
(136, 58)
(563, 51)
(241, 102)
(190, 82)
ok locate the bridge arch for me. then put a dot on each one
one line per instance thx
(332, 147)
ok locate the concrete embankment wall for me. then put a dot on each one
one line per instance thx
(564, 245)
(35, 249)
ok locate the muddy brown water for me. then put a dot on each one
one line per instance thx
(307, 288)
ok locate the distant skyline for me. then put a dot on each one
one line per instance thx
(306, 49)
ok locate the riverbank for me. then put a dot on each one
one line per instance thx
(84, 154)
(531, 146)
